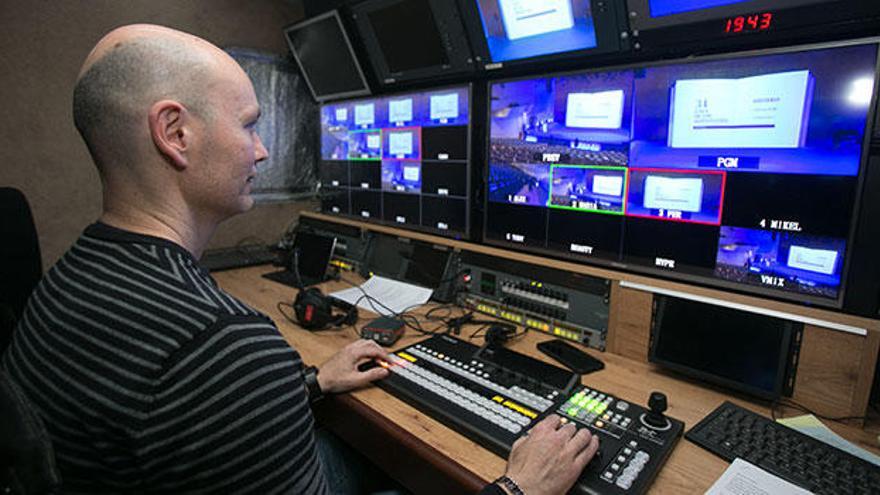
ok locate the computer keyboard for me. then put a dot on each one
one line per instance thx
(731, 431)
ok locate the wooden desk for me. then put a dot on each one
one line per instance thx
(428, 457)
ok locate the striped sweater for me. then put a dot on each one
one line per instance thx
(150, 378)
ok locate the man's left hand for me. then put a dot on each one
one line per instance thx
(340, 373)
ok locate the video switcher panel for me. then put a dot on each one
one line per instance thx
(564, 304)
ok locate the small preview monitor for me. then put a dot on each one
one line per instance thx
(312, 253)
(740, 350)
(326, 58)
(413, 39)
(506, 31)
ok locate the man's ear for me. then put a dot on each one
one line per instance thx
(171, 131)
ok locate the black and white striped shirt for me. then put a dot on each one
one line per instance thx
(150, 378)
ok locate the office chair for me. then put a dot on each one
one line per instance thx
(20, 264)
(27, 460)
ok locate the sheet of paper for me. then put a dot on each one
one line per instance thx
(394, 295)
(744, 478)
(810, 425)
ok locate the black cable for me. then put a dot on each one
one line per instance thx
(409, 320)
(280, 305)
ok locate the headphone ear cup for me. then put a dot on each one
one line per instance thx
(313, 310)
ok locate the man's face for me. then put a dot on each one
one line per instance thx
(228, 147)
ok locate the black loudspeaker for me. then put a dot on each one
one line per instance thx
(862, 295)
(314, 310)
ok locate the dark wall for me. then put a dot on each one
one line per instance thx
(43, 43)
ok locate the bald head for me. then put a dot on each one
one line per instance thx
(129, 70)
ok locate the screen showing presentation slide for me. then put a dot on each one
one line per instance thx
(740, 172)
(401, 160)
(520, 29)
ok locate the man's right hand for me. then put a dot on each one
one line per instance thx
(551, 457)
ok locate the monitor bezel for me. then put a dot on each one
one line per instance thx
(640, 12)
(697, 30)
(330, 96)
(706, 281)
(469, 199)
(609, 22)
(789, 331)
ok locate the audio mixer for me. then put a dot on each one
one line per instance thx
(494, 395)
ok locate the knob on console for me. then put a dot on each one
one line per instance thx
(655, 419)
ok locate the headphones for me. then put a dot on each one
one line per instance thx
(314, 310)
(500, 333)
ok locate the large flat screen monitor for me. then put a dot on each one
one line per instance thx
(741, 171)
(518, 31)
(401, 159)
(325, 57)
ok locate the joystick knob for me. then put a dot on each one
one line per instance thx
(655, 419)
(657, 403)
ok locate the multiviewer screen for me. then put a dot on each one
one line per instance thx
(400, 159)
(741, 170)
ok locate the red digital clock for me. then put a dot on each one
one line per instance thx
(749, 23)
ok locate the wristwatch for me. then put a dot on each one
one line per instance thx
(511, 485)
(310, 377)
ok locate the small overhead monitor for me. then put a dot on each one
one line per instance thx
(657, 23)
(505, 32)
(411, 40)
(325, 57)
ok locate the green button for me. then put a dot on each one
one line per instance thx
(601, 408)
(572, 411)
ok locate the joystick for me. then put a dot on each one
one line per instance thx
(655, 419)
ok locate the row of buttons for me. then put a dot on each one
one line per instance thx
(473, 371)
(634, 464)
(461, 396)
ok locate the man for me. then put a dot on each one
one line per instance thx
(148, 376)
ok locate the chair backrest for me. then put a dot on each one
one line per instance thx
(20, 263)
(27, 460)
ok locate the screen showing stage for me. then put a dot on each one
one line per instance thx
(401, 159)
(739, 172)
(518, 29)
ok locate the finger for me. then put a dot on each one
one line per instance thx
(368, 348)
(579, 442)
(546, 425)
(567, 431)
(586, 455)
(376, 374)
